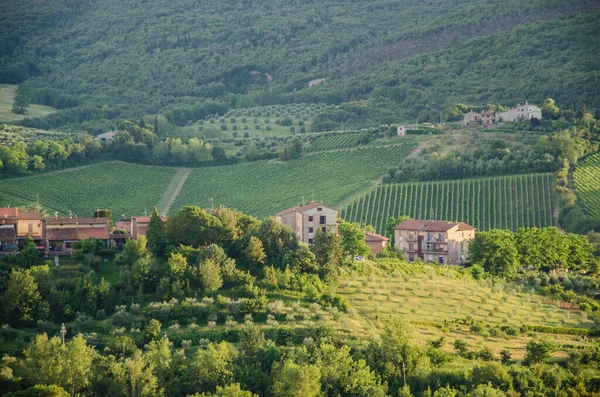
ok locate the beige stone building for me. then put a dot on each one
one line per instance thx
(306, 220)
(434, 241)
(520, 113)
(472, 118)
(376, 242)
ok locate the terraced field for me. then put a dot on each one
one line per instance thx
(587, 185)
(124, 188)
(264, 187)
(506, 202)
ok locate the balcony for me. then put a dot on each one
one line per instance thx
(435, 249)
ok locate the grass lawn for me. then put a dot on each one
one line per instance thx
(7, 96)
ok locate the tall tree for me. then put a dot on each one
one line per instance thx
(193, 226)
(20, 104)
(156, 126)
(294, 380)
(329, 253)
(22, 303)
(353, 239)
(496, 251)
(254, 253)
(156, 234)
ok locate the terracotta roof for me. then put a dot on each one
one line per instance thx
(79, 221)
(300, 209)
(30, 215)
(92, 232)
(146, 219)
(8, 233)
(9, 212)
(432, 226)
(61, 234)
(374, 237)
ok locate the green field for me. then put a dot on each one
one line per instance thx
(7, 96)
(587, 185)
(264, 187)
(429, 296)
(124, 188)
(337, 140)
(506, 202)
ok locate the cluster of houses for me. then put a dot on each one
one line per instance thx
(57, 234)
(489, 117)
(430, 241)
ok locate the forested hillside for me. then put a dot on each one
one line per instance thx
(107, 59)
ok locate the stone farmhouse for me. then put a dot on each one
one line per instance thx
(306, 220)
(434, 241)
(488, 117)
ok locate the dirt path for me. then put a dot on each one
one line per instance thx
(173, 190)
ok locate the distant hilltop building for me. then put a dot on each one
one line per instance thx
(107, 136)
(488, 117)
(306, 220)
(403, 129)
(520, 113)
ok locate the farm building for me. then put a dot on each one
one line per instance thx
(376, 242)
(403, 129)
(519, 113)
(305, 220)
(434, 241)
(137, 225)
(107, 136)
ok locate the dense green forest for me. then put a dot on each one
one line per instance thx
(104, 60)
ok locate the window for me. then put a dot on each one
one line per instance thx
(324, 229)
(310, 229)
(30, 228)
(411, 257)
(319, 209)
(310, 240)
(411, 246)
(429, 236)
(310, 218)
(441, 236)
(322, 219)
(411, 236)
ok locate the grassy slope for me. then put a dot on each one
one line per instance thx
(587, 184)
(7, 96)
(497, 202)
(264, 187)
(430, 296)
(125, 188)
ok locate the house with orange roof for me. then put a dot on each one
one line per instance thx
(434, 241)
(376, 242)
(61, 233)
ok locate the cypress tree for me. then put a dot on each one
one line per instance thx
(156, 234)
(142, 123)
(156, 130)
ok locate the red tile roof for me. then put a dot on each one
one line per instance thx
(30, 215)
(432, 226)
(77, 221)
(61, 234)
(146, 219)
(92, 232)
(9, 212)
(374, 237)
